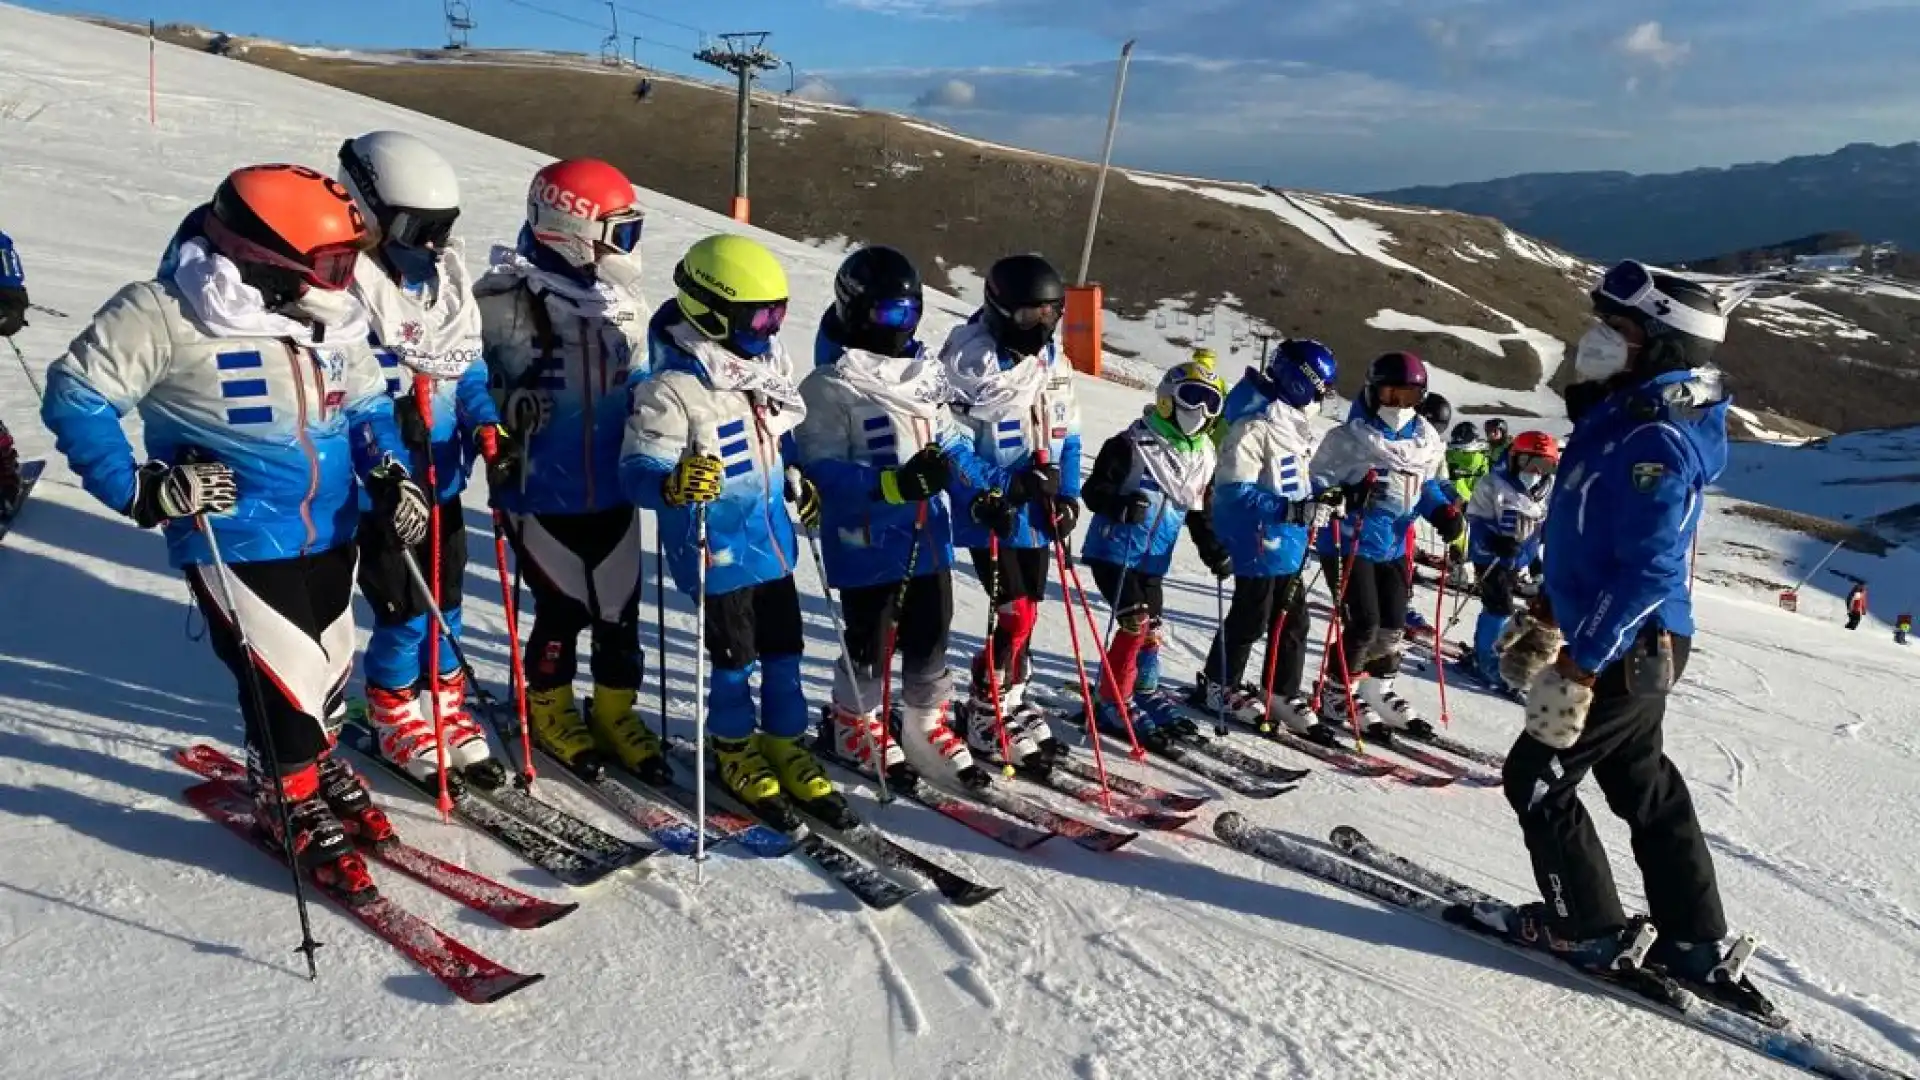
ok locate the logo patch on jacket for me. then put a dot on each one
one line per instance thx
(1647, 475)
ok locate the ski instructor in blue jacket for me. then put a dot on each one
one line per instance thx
(1599, 655)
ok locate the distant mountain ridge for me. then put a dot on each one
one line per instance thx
(1862, 188)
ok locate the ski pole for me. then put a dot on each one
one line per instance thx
(846, 658)
(893, 633)
(660, 613)
(1086, 688)
(1295, 586)
(510, 603)
(993, 672)
(1439, 662)
(423, 400)
(264, 724)
(1339, 615)
(700, 689)
(45, 310)
(31, 381)
(1220, 632)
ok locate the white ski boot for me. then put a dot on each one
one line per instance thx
(1395, 713)
(983, 735)
(1240, 703)
(1296, 714)
(858, 738)
(934, 751)
(466, 743)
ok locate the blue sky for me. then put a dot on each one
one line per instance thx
(1347, 95)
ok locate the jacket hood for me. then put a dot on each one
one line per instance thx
(1692, 402)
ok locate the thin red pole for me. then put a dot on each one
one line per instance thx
(513, 648)
(993, 671)
(1439, 658)
(1086, 688)
(423, 400)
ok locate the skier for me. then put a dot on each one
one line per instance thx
(1387, 442)
(1503, 525)
(247, 360)
(882, 445)
(705, 433)
(1497, 439)
(1902, 627)
(1649, 436)
(1263, 509)
(1856, 604)
(1467, 458)
(1015, 393)
(563, 328)
(1437, 411)
(1146, 482)
(425, 325)
(13, 317)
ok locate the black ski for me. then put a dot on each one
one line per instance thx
(1071, 714)
(570, 866)
(1017, 835)
(1118, 806)
(1644, 988)
(29, 476)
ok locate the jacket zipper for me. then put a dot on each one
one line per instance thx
(294, 356)
(586, 428)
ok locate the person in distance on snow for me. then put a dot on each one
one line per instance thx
(706, 432)
(882, 445)
(13, 318)
(1014, 391)
(1504, 537)
(1263, 509)
(1856, 604)
(1649, 435)
(426, 328)
(1386, 464)
(263, 406)
(1146, 482)
(562, 324)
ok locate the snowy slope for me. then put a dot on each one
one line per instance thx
(139, 940)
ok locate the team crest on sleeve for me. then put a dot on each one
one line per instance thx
(1647, 475)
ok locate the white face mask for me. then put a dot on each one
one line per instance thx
(1395, 418)
(1191, 422)
(1601, 354)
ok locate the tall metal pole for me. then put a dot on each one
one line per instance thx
(740, 137)
(1106, 158)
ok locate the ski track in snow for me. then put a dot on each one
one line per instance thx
(137, 939)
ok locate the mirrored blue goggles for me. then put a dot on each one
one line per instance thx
(1627, 283)
(899, 314)
(621, 229)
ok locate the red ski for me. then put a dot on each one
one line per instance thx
(471, 976)
(507, 906)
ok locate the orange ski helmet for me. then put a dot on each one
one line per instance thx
(287, 228)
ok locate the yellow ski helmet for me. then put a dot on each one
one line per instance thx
(1205, 358)
(733, 291)
(1189, 397)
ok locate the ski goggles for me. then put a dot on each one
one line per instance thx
(1534, 466)
(327, 267)
(1036, 315)
(1629, 289)
(760, 320)
(902, 313)
(1399, 397)
(1627, 284)
(422, 229)
(1199, 396)
(620, 230)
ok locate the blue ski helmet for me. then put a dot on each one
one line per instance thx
(1303, 370)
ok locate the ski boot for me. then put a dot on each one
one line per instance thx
(619, 733)
(468, 752)
(403, 731)
(1164, 716)
(935, 751)
(858, 738)
(1718, 976)
(798, 775)
(559, 731)
(1296, 715)
(347, 796)
(1394, 715)
(1621, 954)
(1240, 703)
(319, 845)
(1106, 716)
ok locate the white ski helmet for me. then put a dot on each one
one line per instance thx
(406, 189)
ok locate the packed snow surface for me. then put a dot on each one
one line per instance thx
(140, 940)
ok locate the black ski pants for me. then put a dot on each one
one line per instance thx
(918, 617)
(297, 616)
(1373, 613)
(1621, 747)
(584, 572)
(1258, 602)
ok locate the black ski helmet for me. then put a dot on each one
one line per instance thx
(1025, 299)
(877, 301)
(1438, 411)
(1496, 424)
(1466, 434)
(1681, 319)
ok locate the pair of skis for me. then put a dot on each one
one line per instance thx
(1398, 881)
(470, 976)
(1213, 760)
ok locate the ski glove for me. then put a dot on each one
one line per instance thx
(696, 479)
(415, 432)
(162, 492)
(1448, 522)
(501, 452)
(1526, 647)
(399, 503)
(1503, 547)
(1134, 510)
(991, 511)
(1032, 484)
(1218, 561)
(1066, 516)
(1557, 704)
(13, 310)
(805, 498)
(923, 476)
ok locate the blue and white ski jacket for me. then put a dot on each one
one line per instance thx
(1261, 477)
(1173, 473)
(431, 329)
(561, 356)
(1627, 499)
(1409, 467)
(210, 370)
(1014, 406)
(866, 414)
(702, 398)
(13, 275)
(1501, 507)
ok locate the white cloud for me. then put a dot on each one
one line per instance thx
(815, 88)
(1648, 43)
(951, 94)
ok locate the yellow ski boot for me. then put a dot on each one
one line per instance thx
(558, 729)
(802, 780)
(619, 731)
(745, 772)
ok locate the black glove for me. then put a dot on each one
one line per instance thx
(991, 511)
(415, 432)
(1037, 482)
(1134, 510)
(13, 310)
(805, 498)
(1449, 522)
(1218, 561)
(1503, 547)
(1304, 512)
(399, 504)
(1333, 497)
(923, 476)
(1066, 516)
(162, 492)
